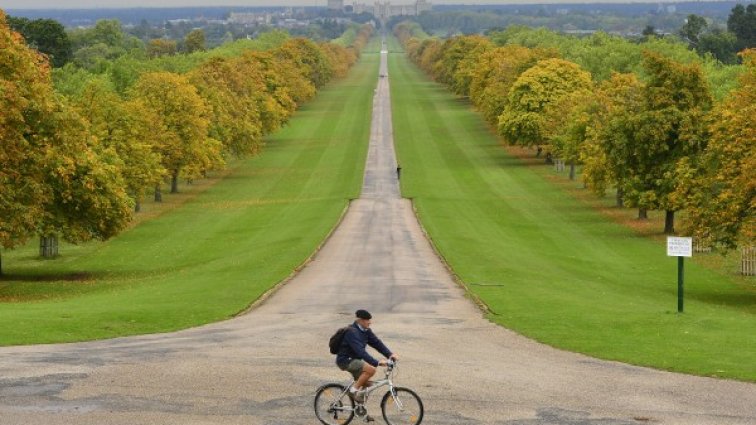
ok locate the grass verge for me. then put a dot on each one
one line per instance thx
(550, 266)
(212, 256)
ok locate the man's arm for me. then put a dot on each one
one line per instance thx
(376, 343)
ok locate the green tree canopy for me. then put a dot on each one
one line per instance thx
(742, 23)
(235, 117)
(693, 28)
(26, 98)
(670, 126)
(548, 81)
(184, 115)
(128, 128)
(195, 41)
(46, 35)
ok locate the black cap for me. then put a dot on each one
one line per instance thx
(363, 314)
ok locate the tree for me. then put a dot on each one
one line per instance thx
(128, 128)
(307, 58)
(693, 28)
(606, 153)
(742, 23)
(460, 52)
(428, 54)
(495, 73)
(55, 180)
(184, 121)
(235, 117)
(26, 97)
(548, 81)
(105, 41)
(46, 35)
(341, 58)
(88, 196)
(721, 45)
(159, 47)
(280, 87)
(670, 126)
(195, 41)
(719, 190)
(567, 123)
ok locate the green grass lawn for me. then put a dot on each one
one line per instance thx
(549, 266)
(211, 257)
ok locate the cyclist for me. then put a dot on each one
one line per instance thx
(353, 358)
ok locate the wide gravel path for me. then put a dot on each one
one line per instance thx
(263, 367)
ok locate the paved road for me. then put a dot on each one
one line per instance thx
(263, 367)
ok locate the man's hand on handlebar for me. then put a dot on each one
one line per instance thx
(390, 362)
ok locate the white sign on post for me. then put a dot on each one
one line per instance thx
(679, 247)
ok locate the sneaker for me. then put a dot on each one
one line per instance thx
(369, 418)
(358, 395)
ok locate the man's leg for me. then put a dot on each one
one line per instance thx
(367, 372)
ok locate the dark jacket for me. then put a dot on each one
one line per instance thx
(353, 346)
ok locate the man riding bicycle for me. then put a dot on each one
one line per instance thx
(353, 358)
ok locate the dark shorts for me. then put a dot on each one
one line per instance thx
(354, 367)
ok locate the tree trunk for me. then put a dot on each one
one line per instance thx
(158, 193)
(572, 170)
(642, 214)
(620, 198)
(1, 264)
(669, 222)
(174, 182)
(137, 206)
(48, 246)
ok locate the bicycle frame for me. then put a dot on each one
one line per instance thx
(376, 385)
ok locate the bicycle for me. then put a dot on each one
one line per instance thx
(334, 404)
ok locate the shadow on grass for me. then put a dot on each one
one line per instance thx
(49, 277)
(745, 302)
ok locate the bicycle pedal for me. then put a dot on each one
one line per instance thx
(369, 418)
(360, 411)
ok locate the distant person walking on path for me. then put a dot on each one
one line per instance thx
(353, 358)
(398, 172)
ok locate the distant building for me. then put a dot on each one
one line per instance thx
(358, 8)
(335, 4)
(385, 10)
(423, 6)
(249, 18)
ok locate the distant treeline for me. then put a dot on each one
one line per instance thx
(133, 16)
(713, 9)
(626, 18)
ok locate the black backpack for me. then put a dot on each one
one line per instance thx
(335, 342)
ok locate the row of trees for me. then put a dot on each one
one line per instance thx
(107, 39)
(656, 133)
(76, 166)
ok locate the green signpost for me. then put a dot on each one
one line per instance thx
(680, 248)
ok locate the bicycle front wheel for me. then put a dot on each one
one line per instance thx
(333, 406)
(401, 406)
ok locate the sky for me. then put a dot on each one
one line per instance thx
(77, 4)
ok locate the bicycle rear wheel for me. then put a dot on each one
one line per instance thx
(333, 406)
(401, 406)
